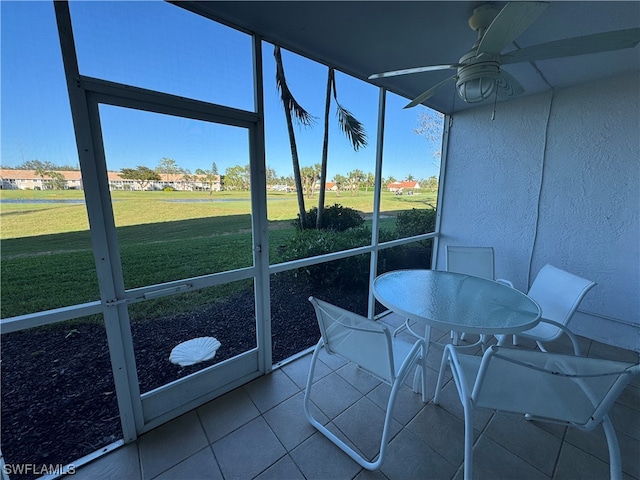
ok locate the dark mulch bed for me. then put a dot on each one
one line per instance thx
(58, 396)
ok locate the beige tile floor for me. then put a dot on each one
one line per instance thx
(259, 431)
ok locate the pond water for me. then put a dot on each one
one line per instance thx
(36, 200)
(81, 201)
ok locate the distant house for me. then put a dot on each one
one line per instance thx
(329, 186)
(400, 186)
(17, 179)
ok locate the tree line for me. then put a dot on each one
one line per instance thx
(237, 177)
(234, 178)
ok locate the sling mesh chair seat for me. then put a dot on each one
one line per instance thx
(567, 389)
(558, 293)
(370, 345)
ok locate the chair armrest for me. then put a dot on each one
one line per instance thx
(566, 331)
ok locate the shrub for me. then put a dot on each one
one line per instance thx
(416, 222)
(168, 188)
(336, 218)
(349, 273)
(414, 255)
(352, 273)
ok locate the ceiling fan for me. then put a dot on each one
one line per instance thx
(479, 75)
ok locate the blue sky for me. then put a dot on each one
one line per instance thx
(158, 46)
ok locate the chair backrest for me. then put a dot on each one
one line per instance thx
(356, 339)
(559, 387)
(558, 293)
(476, 261)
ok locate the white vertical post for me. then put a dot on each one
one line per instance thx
(103, 236)
(448, 121)
(259, 217)
(373, 269)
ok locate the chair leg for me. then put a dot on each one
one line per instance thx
(420, 375)
(386, 429)
(425, 352)
(400, 329)
(468, 441)
(423, 367)
(307, 392)
(501, 339)
(541, 347)
(457, 337)
(411, 330)
(484, 342)
(443, 367)
(574, 343)
(615, 463)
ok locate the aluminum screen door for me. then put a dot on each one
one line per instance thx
(188, 261)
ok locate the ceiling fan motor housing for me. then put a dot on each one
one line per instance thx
(482, 18)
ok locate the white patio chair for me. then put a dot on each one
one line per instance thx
(476, 261)
(558, 293)
(370, 345)
(566, 389)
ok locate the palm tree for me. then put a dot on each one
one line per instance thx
(292, 110)
(351, 127)
(355, 178)
(309, 177)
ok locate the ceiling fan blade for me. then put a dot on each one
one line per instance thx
(429, 93)
(407, 71)
(508, 86)
(569, 47)
(512, 20)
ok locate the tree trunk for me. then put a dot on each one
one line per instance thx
(296, 168)
(292, 107)
(325, 150)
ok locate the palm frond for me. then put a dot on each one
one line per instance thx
(350, 125)
(352, 128)
(288, 100)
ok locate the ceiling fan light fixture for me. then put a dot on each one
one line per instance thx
(477, 90)
(477, 82)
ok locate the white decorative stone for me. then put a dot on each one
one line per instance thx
(194, 351)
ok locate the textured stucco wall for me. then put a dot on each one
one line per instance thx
(555, 179)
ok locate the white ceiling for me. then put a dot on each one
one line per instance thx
(365, 37)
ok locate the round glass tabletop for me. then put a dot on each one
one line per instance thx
(453, 301)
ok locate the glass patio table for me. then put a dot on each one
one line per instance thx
(456, 302)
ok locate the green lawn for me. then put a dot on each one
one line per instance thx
(46, 254)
